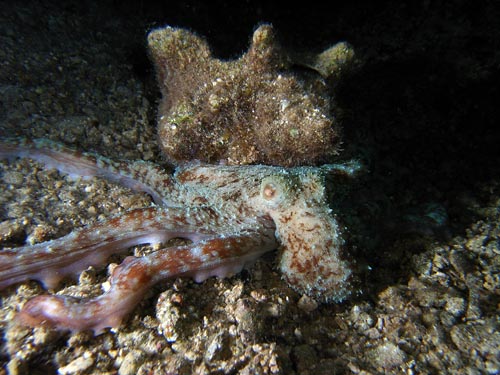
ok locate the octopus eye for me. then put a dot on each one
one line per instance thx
(275, 189)
(269, 191)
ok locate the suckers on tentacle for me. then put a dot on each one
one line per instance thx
(131, 279)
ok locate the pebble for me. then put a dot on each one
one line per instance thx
(78, 365)
(387, 355)
(131, 363)
(307, 304)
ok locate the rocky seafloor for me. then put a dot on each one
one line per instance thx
(422, 221)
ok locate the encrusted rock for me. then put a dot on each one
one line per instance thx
(245, 111)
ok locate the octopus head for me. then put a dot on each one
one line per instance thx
(311, 247)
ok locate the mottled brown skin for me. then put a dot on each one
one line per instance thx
(246, 111)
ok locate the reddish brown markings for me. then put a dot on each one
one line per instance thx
(267, 221)
(233, 196)
(33, 315)
(139, 273)
(214, 245)
(116, 222)
(224, 248)
(301, 266)
(189, 175)
(315, 228)
(183, 259)
(9, 253)
(185, 176)
(80, 154)
(180, 219)
(199, 200)
(285, 219)
(131, 217)
(211, 213)
(303, 259)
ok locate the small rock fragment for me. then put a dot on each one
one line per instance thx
(131, 363)
(387, 355)
(78, 365)
(307, 304)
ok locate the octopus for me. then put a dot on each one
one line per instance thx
(231, 215)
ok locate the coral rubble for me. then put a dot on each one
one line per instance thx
(251, 110)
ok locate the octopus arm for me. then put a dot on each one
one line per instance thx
(136, 175)
(50, 261)
(216, 256)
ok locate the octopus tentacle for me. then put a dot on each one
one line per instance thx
(232, 213)
(136, 175)
(50, 261)
(215, 256)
